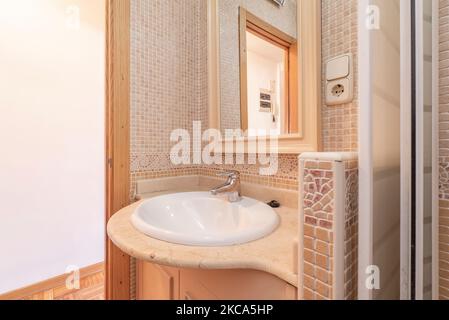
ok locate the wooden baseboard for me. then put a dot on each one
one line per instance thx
(49, 284)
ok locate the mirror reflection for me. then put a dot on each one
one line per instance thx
(258, 67)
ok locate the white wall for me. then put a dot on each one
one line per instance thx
(261, 72)
(265, 64)
(51, 137)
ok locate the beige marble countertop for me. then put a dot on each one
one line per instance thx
(274, 254)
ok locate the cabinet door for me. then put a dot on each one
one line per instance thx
(233, 285)
(192, 289)
(156, 282)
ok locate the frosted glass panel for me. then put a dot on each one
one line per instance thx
(426, 168)
(386, 148)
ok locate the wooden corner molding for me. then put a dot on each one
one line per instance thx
(117, 139)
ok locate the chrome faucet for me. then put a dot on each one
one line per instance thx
(231, 187)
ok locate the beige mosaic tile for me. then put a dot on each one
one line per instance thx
(285, 178)
(351, 227)
(168, 76)
(318, 202)
(169, 90)
(444, 150)
(340, 36)
(168, 83)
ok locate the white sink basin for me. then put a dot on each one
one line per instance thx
(201, 219)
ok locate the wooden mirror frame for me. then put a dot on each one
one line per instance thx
(308, 138)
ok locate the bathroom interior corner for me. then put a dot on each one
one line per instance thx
(224, 150)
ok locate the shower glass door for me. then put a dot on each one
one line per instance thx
(424, 150)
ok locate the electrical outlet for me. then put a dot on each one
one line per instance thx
(339, 80)
(339, 92)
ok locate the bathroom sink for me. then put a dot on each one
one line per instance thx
(201, 219)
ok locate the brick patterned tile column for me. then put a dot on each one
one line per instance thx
(444, 152)
(328, 217)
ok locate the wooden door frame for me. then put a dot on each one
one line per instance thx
(262, 29)
(117, 268)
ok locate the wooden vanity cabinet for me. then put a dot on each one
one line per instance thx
(164, 283)
(156, 282)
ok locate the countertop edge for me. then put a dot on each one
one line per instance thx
(251, 264)
(163, 257)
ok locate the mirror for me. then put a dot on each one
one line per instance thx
(281, 97)
(258, 67)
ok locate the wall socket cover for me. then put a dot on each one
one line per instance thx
(339, 80)
(339, 92)
(338, 68)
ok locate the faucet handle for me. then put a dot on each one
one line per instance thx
(230, 174)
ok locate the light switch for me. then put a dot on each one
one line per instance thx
(338, 68)
(339, 80)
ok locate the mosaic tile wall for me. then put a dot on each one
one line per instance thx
(285, 178)
(169, 85)
(169, 81)
(351, 227)
(340, 36)
(168, 77)
(444, 150)
(319, 198)
(318, 230)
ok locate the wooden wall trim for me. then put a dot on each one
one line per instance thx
(310, 60)
(243, 69)
(49, 284)
(117, 139)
